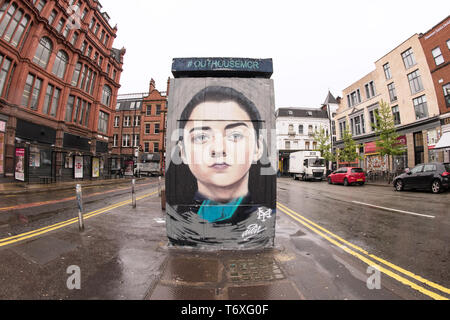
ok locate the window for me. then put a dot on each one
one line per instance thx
(158, 109)
(100, 61)
(41, 4)
(342, 128)
(97, 26)
(373, 118)
(102, 35)
(77, 110)
(83, 77)
(291, 128)
(147, 128)
(149, 110)
(13, 23)
(76, 74)
(74, 38)
(310, 130)
(415, 83)
(89, 52)
(446, 89)
(43, 52)
(370, 90)
(85, 11)
(355, 98)
(5, 67)
(155, 147)
(83, 47)
(300, 129)
(387, 71)
(125, 140)
(358, 125)
(103, 118)
(91, 25)
(417, 169)
(288, 145)
(106, 40)
(408, 58)
(31, 92)
(146, 147)
(126, 121)
(59, 67)
(69, 108)
(137, 121)
(106, 96)
(392, 92)
(108, 68)
(307, 145)
(66, 31)
(429, 168)
(437, 55)
(60, 25)
(115, 140)
(135, 140)
(52, 17)
(88, 112)
(420, 107)
(51, 100)
(396, 115)
(448, 44)
(116, 121)
(156, 128)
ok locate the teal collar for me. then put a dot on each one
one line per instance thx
(213, 211)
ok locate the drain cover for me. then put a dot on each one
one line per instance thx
(254, 270)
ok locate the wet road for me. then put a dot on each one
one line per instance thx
(25, 212)
(411, 230)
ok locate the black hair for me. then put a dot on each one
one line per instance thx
(181, 181)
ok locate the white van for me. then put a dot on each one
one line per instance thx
(307, 165)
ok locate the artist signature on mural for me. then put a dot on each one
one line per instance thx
(252, 230)
(264, 214)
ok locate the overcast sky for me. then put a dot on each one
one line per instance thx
(316, 45)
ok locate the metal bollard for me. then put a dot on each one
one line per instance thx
(80, 207)
(133, 196)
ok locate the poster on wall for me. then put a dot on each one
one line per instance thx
(129, 168)
(78, 167)
(20, 164)
(95, 167)
(2, 148)
(222, 163)
(35, 160)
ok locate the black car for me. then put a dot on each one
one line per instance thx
(431, 176)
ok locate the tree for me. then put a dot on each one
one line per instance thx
(323, 140)
(349, 153)
(387, 143)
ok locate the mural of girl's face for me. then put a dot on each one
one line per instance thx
(220, 152)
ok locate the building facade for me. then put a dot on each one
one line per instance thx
(139, 128)
(402, 79)
(436, 45)
(58, 85)
(295, 130)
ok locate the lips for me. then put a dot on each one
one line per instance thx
(220, 166)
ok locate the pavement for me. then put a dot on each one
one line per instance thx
(123, 254)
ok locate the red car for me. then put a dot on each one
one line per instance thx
(347, 176)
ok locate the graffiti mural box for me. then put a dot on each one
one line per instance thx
(221, 151)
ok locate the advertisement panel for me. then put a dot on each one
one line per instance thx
(19, 173)
(129, 165)
(78, 168)
(95, 167)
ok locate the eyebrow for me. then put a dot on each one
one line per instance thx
(230, 126)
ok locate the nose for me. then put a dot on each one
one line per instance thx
(218, 147)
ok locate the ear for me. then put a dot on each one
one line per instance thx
(259, 149)
(182, 152)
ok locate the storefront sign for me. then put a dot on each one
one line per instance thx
(370, 147)
(78, 167)
(20, 164)
(95, 167)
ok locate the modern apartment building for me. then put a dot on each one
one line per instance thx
(295, 129)
(402, 79)
(58, 85)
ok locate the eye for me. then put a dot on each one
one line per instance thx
(235, 137)
(200, 138)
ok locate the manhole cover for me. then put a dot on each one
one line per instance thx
(254, 270)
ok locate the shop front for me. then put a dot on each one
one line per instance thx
(2, 146)
(75, 158)
(374, 162)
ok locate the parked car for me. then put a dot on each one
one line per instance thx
(347, 176)
(433, 176)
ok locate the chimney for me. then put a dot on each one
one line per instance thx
(168, 87)
(152, 85)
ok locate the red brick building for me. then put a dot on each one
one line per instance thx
(58, 85)
(139, 128)
(436, 45)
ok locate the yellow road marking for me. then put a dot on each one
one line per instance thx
(309, 224)
(34, 233)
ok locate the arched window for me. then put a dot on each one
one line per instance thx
(106, 96)
(43, 52)
(59, 67)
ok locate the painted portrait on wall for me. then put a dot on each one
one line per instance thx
(221, 177)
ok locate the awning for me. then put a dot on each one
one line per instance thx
(444, 142)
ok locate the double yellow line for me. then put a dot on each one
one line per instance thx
(37, 232)
(368, 258)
